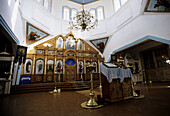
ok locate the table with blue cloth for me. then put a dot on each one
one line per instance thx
(116, 83)
(26, 79)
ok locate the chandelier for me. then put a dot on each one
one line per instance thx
(83, 20)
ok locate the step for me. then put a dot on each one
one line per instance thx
(64, 86)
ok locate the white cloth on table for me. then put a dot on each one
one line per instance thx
(113, 73)
(125, 73)
(110, 73)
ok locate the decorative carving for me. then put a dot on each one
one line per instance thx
(59, 52)
(40, 51)
(70, 53)
(51, 52)
(64, 61)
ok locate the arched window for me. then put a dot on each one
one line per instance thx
(66, 13)
(93, 12)
(100, 13)
(123, 1)
(73, 13)
(40, 1)
(118, 3)
(46, 3)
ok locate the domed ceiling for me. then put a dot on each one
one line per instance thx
(85, 1)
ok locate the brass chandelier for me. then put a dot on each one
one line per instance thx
(83, 20)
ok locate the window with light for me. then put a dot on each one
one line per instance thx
(66, 13)
(73, 12)
(100, 15)
(46, 3)
(93, 12)
(118, 3)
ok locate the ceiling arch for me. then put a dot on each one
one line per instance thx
(85, 1)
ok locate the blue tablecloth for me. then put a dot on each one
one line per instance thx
(26, 79)
(112, 73)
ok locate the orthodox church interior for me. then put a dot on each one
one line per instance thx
(84, 57)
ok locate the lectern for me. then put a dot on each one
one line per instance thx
(116, 83)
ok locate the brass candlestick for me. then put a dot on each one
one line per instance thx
(55, 88)
(92, 102)
(100, 87)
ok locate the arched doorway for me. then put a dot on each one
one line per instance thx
(71, 70)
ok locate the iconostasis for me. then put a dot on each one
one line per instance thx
(62, 58)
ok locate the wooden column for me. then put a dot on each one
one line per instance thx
(55, 61)
(84, 46)
(33, 65)
(45, 65)
(84, 66)
(64, 46)
(64, 69)
(77, 69)
(76, 45)
(98, 65)
(56, 43)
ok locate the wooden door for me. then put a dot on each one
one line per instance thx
(71, 72)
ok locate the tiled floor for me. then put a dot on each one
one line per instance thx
(155, 103)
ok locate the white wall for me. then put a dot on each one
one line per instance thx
(119, 19)
(128, 24)
(155, 25)
(107, 4)
(9, 10)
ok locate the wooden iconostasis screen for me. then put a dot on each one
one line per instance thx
(61, 58)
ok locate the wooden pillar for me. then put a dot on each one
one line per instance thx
(85, 76)
(33, 65)
(55, 61)
(77, 70)
(76, 45)
(55, 64)
(64, 46)
(56, 43)
(84, 46)
(45, 69)
(98, 65)
(64, 69)
(84, 66)
(45, 65)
